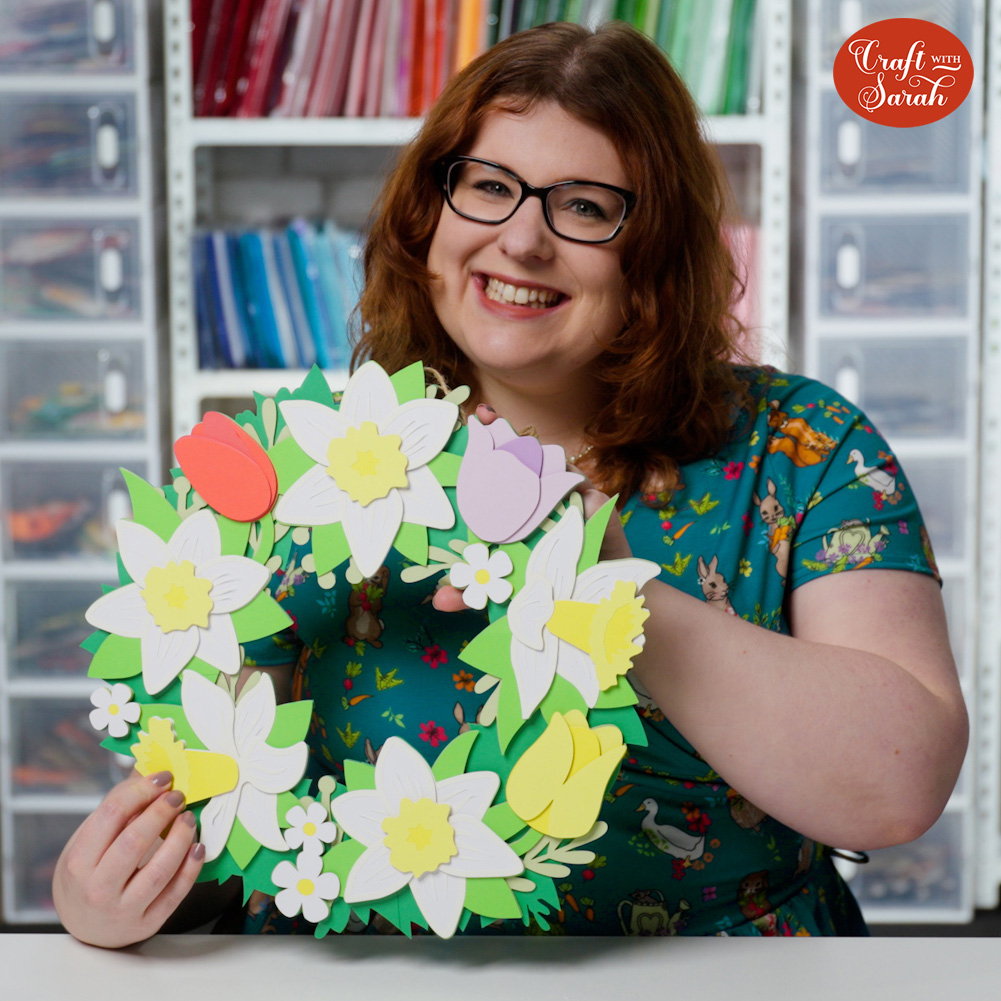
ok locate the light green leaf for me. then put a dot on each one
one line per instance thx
(150, 507)
(261, 617)
(358, 774)
(491, 897)
(234, 535)
(445, 466)
(330, 547)
(503, 821)
(452, 760)
(290, 463)
(242, 845)
(412, 542)
(291, 723)
(117, 657)
(409, 383)
(594, 532)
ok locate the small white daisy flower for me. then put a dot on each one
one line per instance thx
(305, 887)
(480, 574)
(115, 710)
(311, 829)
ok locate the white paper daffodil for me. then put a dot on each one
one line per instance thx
(305, 887)
(422, 833)
(310, 828)
(115, 710)
(240, 730)
(181, 601)
(585, 629)
(371, 471)
(481, 575)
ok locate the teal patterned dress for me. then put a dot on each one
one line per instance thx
(806, 488)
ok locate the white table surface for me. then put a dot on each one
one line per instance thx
(220, 968)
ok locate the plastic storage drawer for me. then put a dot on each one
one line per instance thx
(860, 157)
(63, 511)
(66, 36)
(907, 387)
(66, 144)
(927, 873)
(38, 840)
(45, 627)
(892, 266)
(54, 748)
(62, 391)
(73, 270)
(941, 488)
(840, 19)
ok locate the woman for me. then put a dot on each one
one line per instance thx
(597, 312)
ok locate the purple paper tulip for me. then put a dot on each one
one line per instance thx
(507, 484)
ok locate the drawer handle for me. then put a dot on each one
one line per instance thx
(848, 266)
(108, 147)
(849, 17)
(849, 144)
(115, 390)
(118, 506)
(103, 22)
(848, 381)
(111, 270)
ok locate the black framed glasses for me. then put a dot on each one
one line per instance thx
(581, 211)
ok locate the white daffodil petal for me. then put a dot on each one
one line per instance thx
(197, 539)
(258, 812)
(372, 877)
(530, 609)
(210, 712)
(370, 530)
(256, 709)
(141, 549)
(424, 427)
(598, 581)
(164, 655)
(470, 793)
(218, 645)
(236, 581)
(122, 612)
(577, 667)
(534, 671)
(313, 426)
(314, 499)
(273, 769)
(216, 821)
(479, 851)
(440, 898)
(368, 396)
(425, 501)
(555, 557)
(402, 773)
(360, 814)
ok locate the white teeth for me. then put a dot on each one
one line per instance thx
(520, 294)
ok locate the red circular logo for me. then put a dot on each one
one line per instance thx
(903, 72)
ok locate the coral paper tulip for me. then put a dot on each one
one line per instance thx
(228, 468)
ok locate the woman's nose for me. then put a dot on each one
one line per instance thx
(526, 233)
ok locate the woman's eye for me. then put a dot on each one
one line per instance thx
(492, 189)
(585, 209)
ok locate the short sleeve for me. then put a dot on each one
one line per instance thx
(860, 510)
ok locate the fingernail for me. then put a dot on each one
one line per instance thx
(189, 818)
(175, 798)
(161, 778)
(486, 406)
(198, 851)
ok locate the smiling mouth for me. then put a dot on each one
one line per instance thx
(521, 295)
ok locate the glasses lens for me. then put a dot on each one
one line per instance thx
(482, 192)
(585, 211)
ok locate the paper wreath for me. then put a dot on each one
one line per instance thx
(507, 807)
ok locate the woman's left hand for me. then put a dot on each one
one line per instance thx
(613, 547)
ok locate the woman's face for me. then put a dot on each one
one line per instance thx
(554, 341)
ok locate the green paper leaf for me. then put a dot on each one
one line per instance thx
(336, 921)
(539, 903)
(330, 547)
(290, 463)
(219, 870)
(291, 723)
(341, 858)
(509, 719)
(358, 774)
(594, 532)
(117, 657)
(234, 535)
(561, 697)
(242, 845)
(620, 694)
(266, 539)
(314, 387)
(167, 710)
(452, 760)
(262, 617)
(93, 642)
(286, 800)
(150, 507)
(412, 542)
(445, 466)
(626, 719)
(490, 650)
(257, 873)
(527, 842)
(491, 897)
(409, 383)
(503, 821)
(519, 554)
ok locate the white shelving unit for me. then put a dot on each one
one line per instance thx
(988, 787)
(201, 152)
(79, 393)
(890, 316)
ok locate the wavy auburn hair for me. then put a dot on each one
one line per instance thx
(668, 387)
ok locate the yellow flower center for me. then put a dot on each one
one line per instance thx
(309, 828)
(113, 710)
(419, 838)
(176, 598)
(482, 576)
(366, 465)
(305, 887)
(607, 631)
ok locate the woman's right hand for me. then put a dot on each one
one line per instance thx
(101, 894)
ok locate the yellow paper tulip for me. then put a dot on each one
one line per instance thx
(557, 786)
